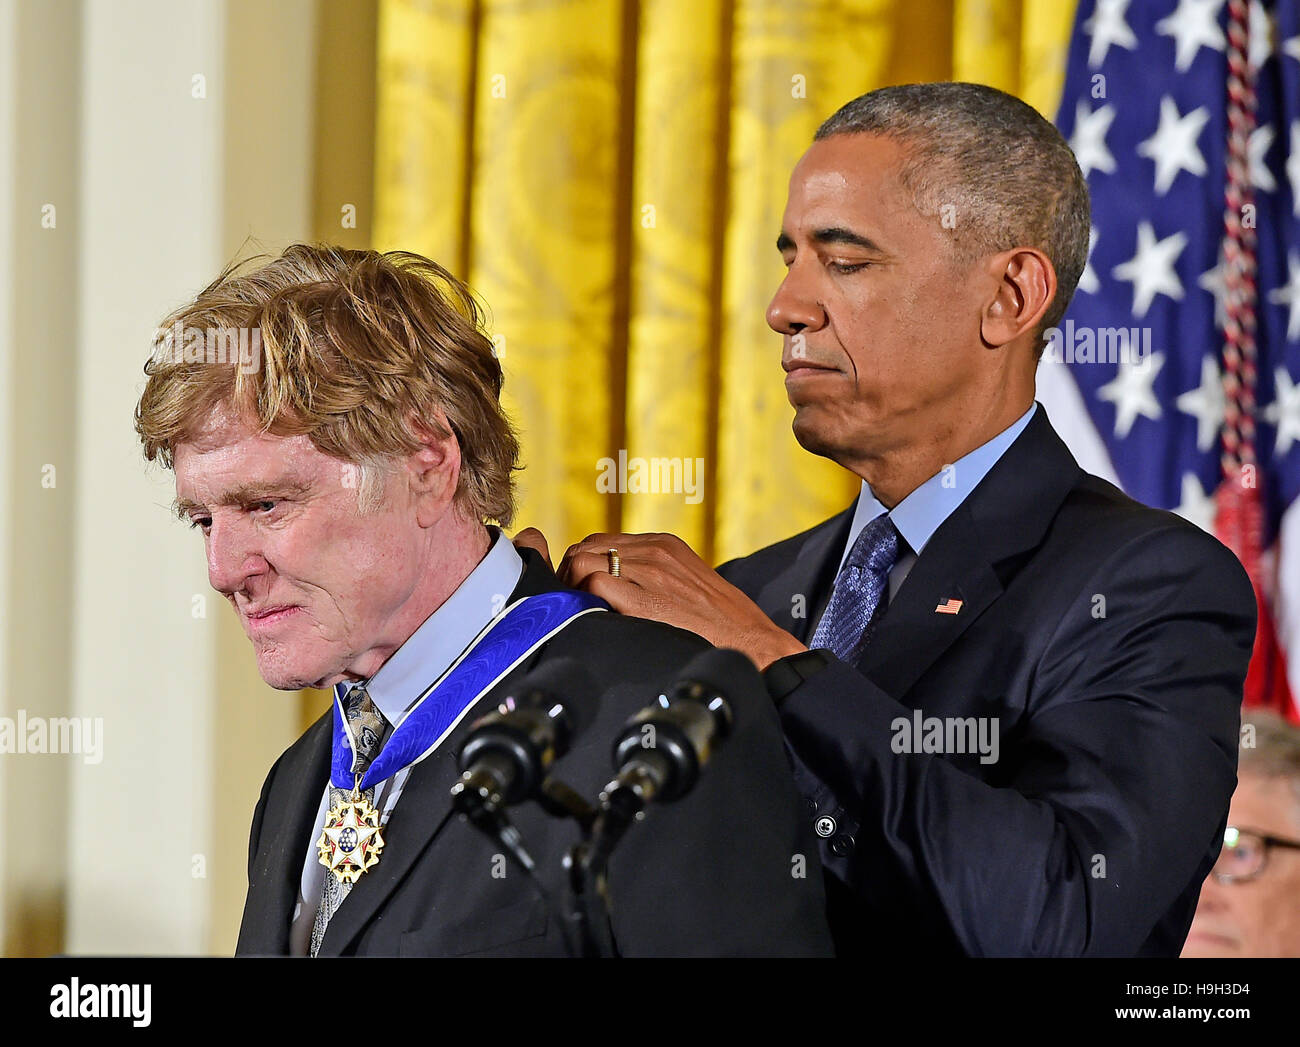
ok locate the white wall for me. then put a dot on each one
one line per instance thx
(155, 189)
(8, 323)
(38, 286)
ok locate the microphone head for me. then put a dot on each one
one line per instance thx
(562, 680)
(661, 750)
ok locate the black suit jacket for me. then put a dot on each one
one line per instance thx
(1109, 642)
(717, 872)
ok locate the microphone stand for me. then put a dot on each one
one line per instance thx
(622, 803)
(476, 797)
(585, 922)
(557, 798)
(483, 807)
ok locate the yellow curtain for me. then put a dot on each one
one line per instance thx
(609, 176)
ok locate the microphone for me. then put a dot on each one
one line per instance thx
(660, 751)
(659, 754)
(508, 752)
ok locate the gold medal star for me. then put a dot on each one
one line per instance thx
(351, 840)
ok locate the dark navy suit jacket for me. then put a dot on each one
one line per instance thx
(1107, 640)
(729, 869)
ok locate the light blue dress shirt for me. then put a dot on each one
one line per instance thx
(398, 684)
(922, 512)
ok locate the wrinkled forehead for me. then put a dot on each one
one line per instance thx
(220, 427)
(227, 451)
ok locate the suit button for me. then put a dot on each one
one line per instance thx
(841, 845)
(824, 826)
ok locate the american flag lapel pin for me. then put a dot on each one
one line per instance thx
(949, 606)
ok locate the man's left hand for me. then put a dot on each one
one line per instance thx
(661, 578)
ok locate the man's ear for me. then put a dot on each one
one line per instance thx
(1025, 284)
(433, 469)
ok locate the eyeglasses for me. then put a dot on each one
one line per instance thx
(1245, 853)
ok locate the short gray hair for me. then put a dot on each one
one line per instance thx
(1275, 752)
(1009, 174)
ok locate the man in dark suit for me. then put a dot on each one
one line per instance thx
(716, 873)
(342, 487)
(1012, 692)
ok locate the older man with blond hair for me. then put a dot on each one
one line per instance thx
(346, 489)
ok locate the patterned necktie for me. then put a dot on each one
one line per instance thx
(367, 725)
(849, 617)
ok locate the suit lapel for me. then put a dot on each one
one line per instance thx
(811, 574)
(287, 822)
(1007, 514)
(424, 807)
(912, 634)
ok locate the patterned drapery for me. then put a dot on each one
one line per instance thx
(609, 176)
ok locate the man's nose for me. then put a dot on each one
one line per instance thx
(1213, 897)
(234, 554)
(795, 307)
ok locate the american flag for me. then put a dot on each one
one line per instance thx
(1154, 90)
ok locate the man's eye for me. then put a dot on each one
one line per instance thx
(200, 521)
(848, 267)
(265, 506)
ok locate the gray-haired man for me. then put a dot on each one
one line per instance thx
(1013, 699)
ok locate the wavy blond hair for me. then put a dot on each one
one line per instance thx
(354, 345)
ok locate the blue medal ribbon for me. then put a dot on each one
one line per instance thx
(506, 641)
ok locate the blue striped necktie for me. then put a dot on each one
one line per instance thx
(859, 591)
